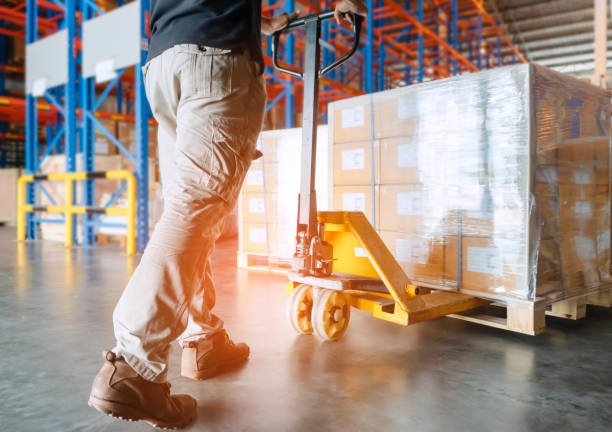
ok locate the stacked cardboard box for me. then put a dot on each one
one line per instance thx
(103, 145)
(268, 200)
(494, 183)
(8, 191)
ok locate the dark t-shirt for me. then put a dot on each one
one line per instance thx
(223, 24)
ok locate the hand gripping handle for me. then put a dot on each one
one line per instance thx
(299, 22)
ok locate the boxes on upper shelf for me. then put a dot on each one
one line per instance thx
(103, 145)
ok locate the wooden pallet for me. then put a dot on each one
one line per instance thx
(530, 317)
(263, 262)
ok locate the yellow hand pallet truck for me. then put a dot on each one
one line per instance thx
(340, 261)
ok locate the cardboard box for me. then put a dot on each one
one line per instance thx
(352, 122)
(355, 198)
(479, 223)
(602, 211)
(547, 209)
(421, 257)
(580, 262)
(548, 277)
(577, 208)
(276, 240)
(603, 255)
(489, 265)
(399, 160)
(261, 177)
(602, 162)
(268, 208)
(9, 178)
(395, 116)
(353, 163)
(404, 208)
(253, 237)
(102, 144)
(253, 208)
(126, 134)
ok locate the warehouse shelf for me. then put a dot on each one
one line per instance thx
(74, 109)
(403, 43)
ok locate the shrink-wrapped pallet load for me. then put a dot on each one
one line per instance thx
(268, 200)
(494, 183)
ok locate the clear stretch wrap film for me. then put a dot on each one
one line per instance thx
(269, 197)
(493, 183)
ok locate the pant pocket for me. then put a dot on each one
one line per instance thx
(209, 75)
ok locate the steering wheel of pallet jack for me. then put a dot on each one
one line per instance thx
(330, 315)
(299, 309)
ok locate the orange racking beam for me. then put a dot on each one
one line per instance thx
(500, 32)
(429, 33)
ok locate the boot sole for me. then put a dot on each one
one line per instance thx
(209, 372)
(128, 413)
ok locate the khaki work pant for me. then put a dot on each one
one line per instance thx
(209, 104)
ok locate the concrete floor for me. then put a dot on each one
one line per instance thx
(55, 319)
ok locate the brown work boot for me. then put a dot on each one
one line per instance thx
(118, 391)
(207, 357)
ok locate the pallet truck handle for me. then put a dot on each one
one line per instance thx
(300, 22)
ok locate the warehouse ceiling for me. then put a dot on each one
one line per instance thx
(553, 33)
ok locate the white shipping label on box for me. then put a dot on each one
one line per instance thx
(585, 248)
(353, 159)
(360, 252)
(582, 177)
(411, 251)
(257, 235)
(353, 202)
(255, 178)
(485, 260)
(583, 210)
(410, 203)
(404, 107)
(407, 156)
(101, 146)
(353, 117)
(603, 241)
(256, 205)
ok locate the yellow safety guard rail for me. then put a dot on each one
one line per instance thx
(69, 209)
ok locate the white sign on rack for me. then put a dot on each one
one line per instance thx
(112, 41)
(47, 63)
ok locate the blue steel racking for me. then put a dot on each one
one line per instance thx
(404, 42)
(77, 103)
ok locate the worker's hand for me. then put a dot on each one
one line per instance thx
(270, 26)
(356, 6)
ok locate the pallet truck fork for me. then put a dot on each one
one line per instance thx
(340, 261)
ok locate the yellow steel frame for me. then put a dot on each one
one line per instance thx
(69, 209)
(405, 303)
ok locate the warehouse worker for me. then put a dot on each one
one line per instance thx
(206, 89)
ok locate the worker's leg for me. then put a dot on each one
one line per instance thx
(218, 119)
(202, 322)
